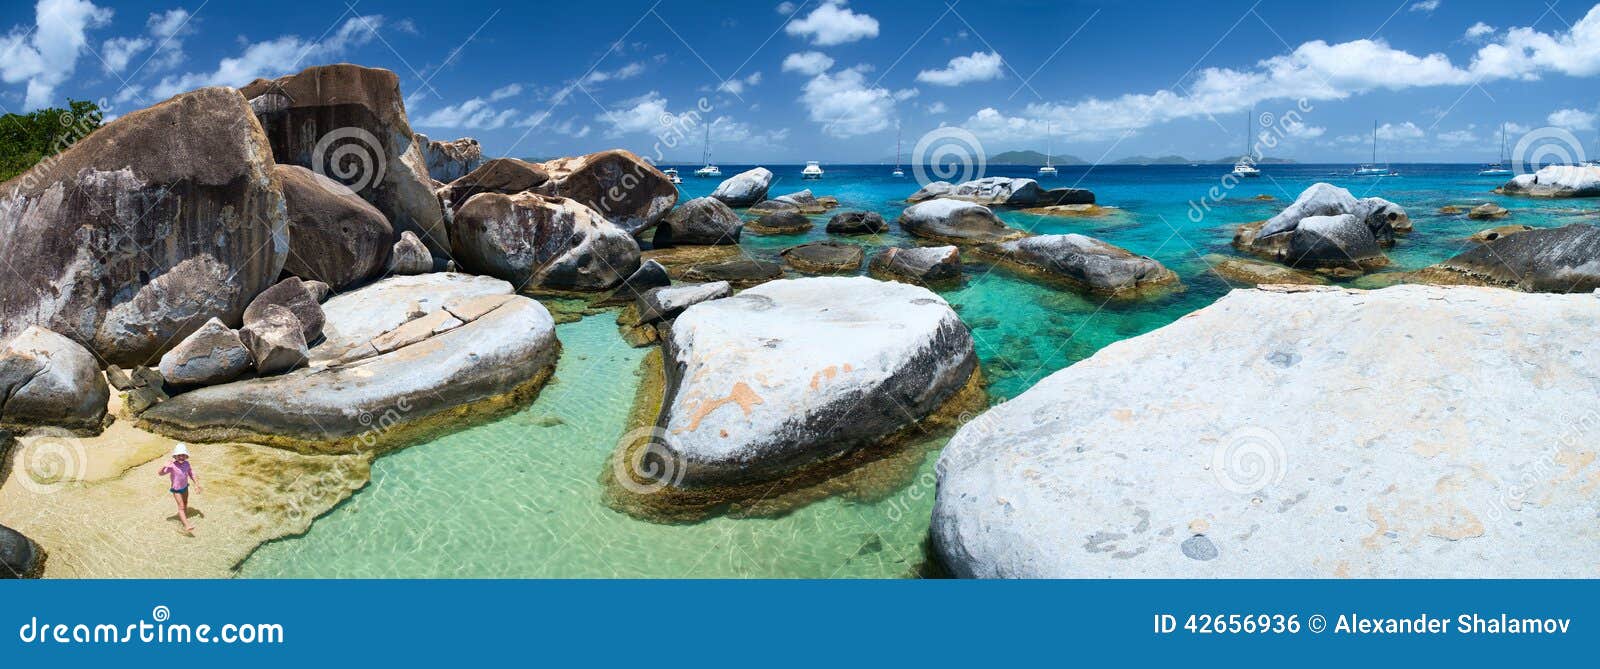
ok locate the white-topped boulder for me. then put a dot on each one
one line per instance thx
(955, 222)
(745, 188)
(1556, 181)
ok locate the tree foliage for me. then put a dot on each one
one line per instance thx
(26, 139)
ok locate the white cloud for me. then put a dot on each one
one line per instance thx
(1425, 6)
(168, 29)
(1314, 71)
(1517, 129)
(1390, 132)
(47, 55)
(507, 91)
(1572, 119)
(980, 66)
(737, 86)
(282, 55)
(832, 23)
(118, 51)
(786, 8)
(809, 63)
(1302, 130)
(1478, 31)
(477, 114)
(640, 114)
(937, 108)
(728, 131)
(1457, 137)
(846, 104)
(628, 71)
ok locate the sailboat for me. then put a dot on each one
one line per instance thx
(1371, 169)
(1047, 170)
(1498, 169)
(897, 173)
(709, 170)
(1245, 167)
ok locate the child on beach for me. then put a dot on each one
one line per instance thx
(182, 474)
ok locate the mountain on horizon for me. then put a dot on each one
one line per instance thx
(1033, 158)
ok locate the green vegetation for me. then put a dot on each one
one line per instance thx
(26, 139)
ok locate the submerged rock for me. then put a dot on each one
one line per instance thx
(923, 264)
(349, 123)
(1483, 236)
(745, 188)
(824, 257)
(20, 557)
(410, 256)
(118, 242)
(780, 223)
(448, 161)
(699, 222)
(507, 176)
(624, 188)
(334, 236)
(1084, 262)
(1551, 260)
(542, 241)
(955, 222)
(213, 354)
(1556, 181)
(740, 272)
(500, 358)
(1257, 272)
(792, 373)
(857, 223)
(49, 380)
(1488, 210)
(1244, 465)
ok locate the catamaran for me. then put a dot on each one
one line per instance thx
(709, 170)
(813, 170)
(897, 173)
(1047, 170)
(1498, 169)
(1245, 167)
(1371, 169)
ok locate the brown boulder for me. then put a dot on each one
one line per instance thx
(628, 191)
(507, 176)
(334, 236)
(539, 241)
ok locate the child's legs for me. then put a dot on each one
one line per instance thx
(182, 498)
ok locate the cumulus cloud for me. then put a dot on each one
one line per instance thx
(1313, 71)
(476, 114)
(1478, 31)
(1457, 137)
(980, 66)
(628, 71)
(786, 8)
(165, 31)
(47, 55)
(729, 131)
(507, 91)
(736, 86)
(117, 52)
(1302, 130)
(640, 114)
(1572, 119)
(274, 57)
(847, 104)
(832, 23)
(1400, 133)
(937, 108)
(1426, 6)
(809, 63)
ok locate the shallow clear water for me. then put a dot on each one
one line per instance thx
(521, 497)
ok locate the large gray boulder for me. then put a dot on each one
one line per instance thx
(626, 189)
(291, 294)
(1085, 263)
(1556, 181)
(1551, 260)
(1382, 217)
(348, 123)
(998, 192)
(702, 221)
(745, 188)
(410, 256)
(494, 356)
(542, 241)
(49, 380)
(955, 222)
(137, 234)
(857, 223)
(930, 191)
(276, 339)
(1334, 241)
(796, 372)
(667, 303)
(1312, 433)
(360, 316)
(20, 557)
(334, 236)
(213, 354)
(923, 264)
(448, 161)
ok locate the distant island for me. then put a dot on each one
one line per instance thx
(1033, 158)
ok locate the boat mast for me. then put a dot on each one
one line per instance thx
(1046, 143)
(897, 146)
(705, 155)
(1249, 127)
(1374, 143)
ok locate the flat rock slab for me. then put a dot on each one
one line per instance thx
(1315, 432)
(335, 408)
(796, 372)
(824, 257)
(357, 317)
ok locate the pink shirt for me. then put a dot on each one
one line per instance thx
(181, 473)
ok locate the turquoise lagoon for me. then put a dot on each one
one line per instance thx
(522, 497)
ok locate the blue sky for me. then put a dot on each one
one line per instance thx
(831, 81)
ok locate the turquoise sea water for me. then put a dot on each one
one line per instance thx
(521, 497)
